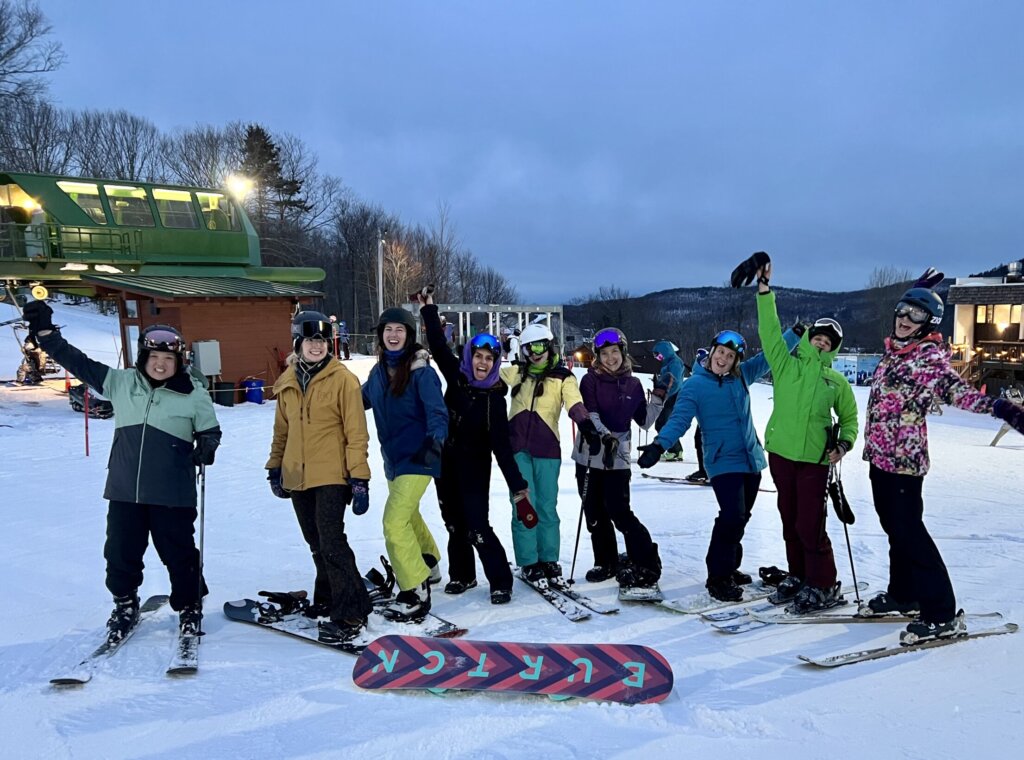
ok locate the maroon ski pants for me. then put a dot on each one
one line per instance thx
(802, 508)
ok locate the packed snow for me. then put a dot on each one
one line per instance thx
(259, 695)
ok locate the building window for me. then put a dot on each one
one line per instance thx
(979, 314)
(175, 208)
(129, 206)
(218, 212)
(131, 308)
(87, 197)
(1015, 313)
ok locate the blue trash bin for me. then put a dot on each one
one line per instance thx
(253, 390)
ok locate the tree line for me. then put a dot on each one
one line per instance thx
(304, 216)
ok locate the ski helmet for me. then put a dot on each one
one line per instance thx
(610, 336)
(700, 356)
(922, 306)
(830, 329)
(400, 316)
(538, 336)
(732, 340)
(160, 338)
(311, 324)
(485, 342)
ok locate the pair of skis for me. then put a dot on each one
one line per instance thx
(685, 482)
(567, 600)
(184, 660)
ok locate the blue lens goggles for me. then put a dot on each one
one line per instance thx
(608, 337)
(487, 341)
(730, 339)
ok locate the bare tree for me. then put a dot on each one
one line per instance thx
(35, 137)
(886, 283)
(204, 155)
(25, 53)
(118, 145)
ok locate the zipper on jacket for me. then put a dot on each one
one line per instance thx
(142, 444)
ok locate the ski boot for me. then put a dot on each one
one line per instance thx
(672, 456)
(740, 578)
(885, 604)
(501, 596)
(599, 573)
(698, 476)
(123, 618)
(771, 576)
(535, 574)
(459, 587)
(411, 605)
(814, 599)
(552, 571)
(190, 620)
(724, 589)
(787, 589)
(919, 631)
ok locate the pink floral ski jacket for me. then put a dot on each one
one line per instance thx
(904, 385)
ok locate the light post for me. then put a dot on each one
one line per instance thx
(380, 272)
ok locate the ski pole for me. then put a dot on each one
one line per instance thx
(202, 534)
(849, 550)
(579, 522)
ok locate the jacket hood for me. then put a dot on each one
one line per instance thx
(466, 367)
(804, 350)
(664, 348)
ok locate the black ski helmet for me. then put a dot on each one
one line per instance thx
(830, 328)
(160, 338)
(311, 324)
(402, 317)
(923, 298)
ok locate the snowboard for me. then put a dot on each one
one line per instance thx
(302, 627)
(695, 600)
(626, 673)
(848, 658)
(641, 593)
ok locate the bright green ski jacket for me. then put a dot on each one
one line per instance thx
(806, 390)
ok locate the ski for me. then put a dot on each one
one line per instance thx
(784, 617)
(299, 626)
(641, 593)
(572, 611)
(700, 601)
(563, 588)
(685, 482)
(767, 613)
(83, 671)
(848, 658)
(185, 660)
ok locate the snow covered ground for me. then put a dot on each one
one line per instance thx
(261, 695)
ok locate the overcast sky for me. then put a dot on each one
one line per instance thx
(645, 145)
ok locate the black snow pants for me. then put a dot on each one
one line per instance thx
(916, 570)
(129, 526)
(338, 586)
(736, 493)
(463, 493)
(606, 506)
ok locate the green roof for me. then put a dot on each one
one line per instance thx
(202, 287)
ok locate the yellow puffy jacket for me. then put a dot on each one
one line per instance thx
(320, 436)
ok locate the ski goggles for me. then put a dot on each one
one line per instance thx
(916, 314)
(609, 337)
(659, 356)
(730, 339)
(825, 323)
(162, 339)
(486, 341)
(538, 347)
(316, 328)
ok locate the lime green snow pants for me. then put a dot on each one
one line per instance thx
(406, 536)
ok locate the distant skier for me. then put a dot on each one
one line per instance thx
(341, 335)
(913, 373)
(615, 399)
(541, 385)
(805, 392)
(477, 426)
(699, 475)
(318, 458)
(666, 386)
(412, 423)
(514, 342)
(165, 427)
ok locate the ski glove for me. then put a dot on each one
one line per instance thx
(929, 279)
(588, 431)
(611, 448)
(360, 495)
(429, 452)
(1010, 413)
(524, 509)
(206, 447)
(745, 273)
(274, 476)
(39, 317)
(651, 455)
(799, 328)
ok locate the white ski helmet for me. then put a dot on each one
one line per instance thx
(536, 333)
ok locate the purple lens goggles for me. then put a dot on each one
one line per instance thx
(163, 340)
(609, 337)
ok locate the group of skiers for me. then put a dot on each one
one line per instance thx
(319, 456)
